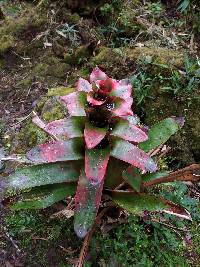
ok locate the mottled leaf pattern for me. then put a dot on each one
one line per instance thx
(122, 91)
(96, 161)
(93, 135)
(44, 174)
(133, 177)
(66, 128)
(137, 203)
(56, 151)
(128, 131)
(75, 103)
(130, 153)
(161, 132)
(44, 196)
(84, 85)
(97, 74)
(87, 201)
(123, 108)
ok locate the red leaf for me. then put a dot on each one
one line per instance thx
(94, 101)
(56, 151)
(75, 103)
(126, 151)
(129, 132)
(84, 85)
(93, 135)
(122, 91)
(87, 201)
(96, 161)
(66, 128)
(97, 74)
(123, 107)
(107, 85)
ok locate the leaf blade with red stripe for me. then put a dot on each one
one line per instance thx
(96, 161)
(57, 151)
(75, 103)
(93, 135)
(87, 201)
(129, 132)
(137, 203)
(130, 153)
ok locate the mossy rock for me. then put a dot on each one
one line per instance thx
(6, 42)
(51, 66)
(186, 143)
(157, 55)
(53, 110)
(80, 55)
(29, 136)
(14, 29)
(110, 56)
(60, 91)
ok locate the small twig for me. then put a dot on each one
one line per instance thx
(40, 123)
(68, 251)
(22, 119)
(39, 238)
(185, 174)
(11, 239)
(169, 226)
(120, 186)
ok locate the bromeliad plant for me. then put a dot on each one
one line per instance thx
(99, 146)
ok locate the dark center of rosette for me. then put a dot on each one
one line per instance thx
(99, 116)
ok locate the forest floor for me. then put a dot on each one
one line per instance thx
(45, 46)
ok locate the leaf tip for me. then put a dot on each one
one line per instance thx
(179, 120)
(80, 230)
(151, 166)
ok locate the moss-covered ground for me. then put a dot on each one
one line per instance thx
(45, 46)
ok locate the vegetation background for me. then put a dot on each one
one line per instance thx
(44, 47)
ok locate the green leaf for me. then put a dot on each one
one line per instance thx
(57, 151)
(133, 177)
(87, 201)
(44, 174)
(44, 196)
(128, 131)
(114, 171)
(66, 128)
(153, 176)
(96, 161)
(137, 203)
(160, 133)
(131, 154)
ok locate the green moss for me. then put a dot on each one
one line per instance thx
(80, 55)
(25, 83)
(14, 29)
(157, 55)
(6, 42)
(52, 110)
(60, 91)
(54, 233)
(29, 136)
(107, 57)
(51, 66)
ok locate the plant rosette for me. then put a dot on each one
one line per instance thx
(98, 147)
